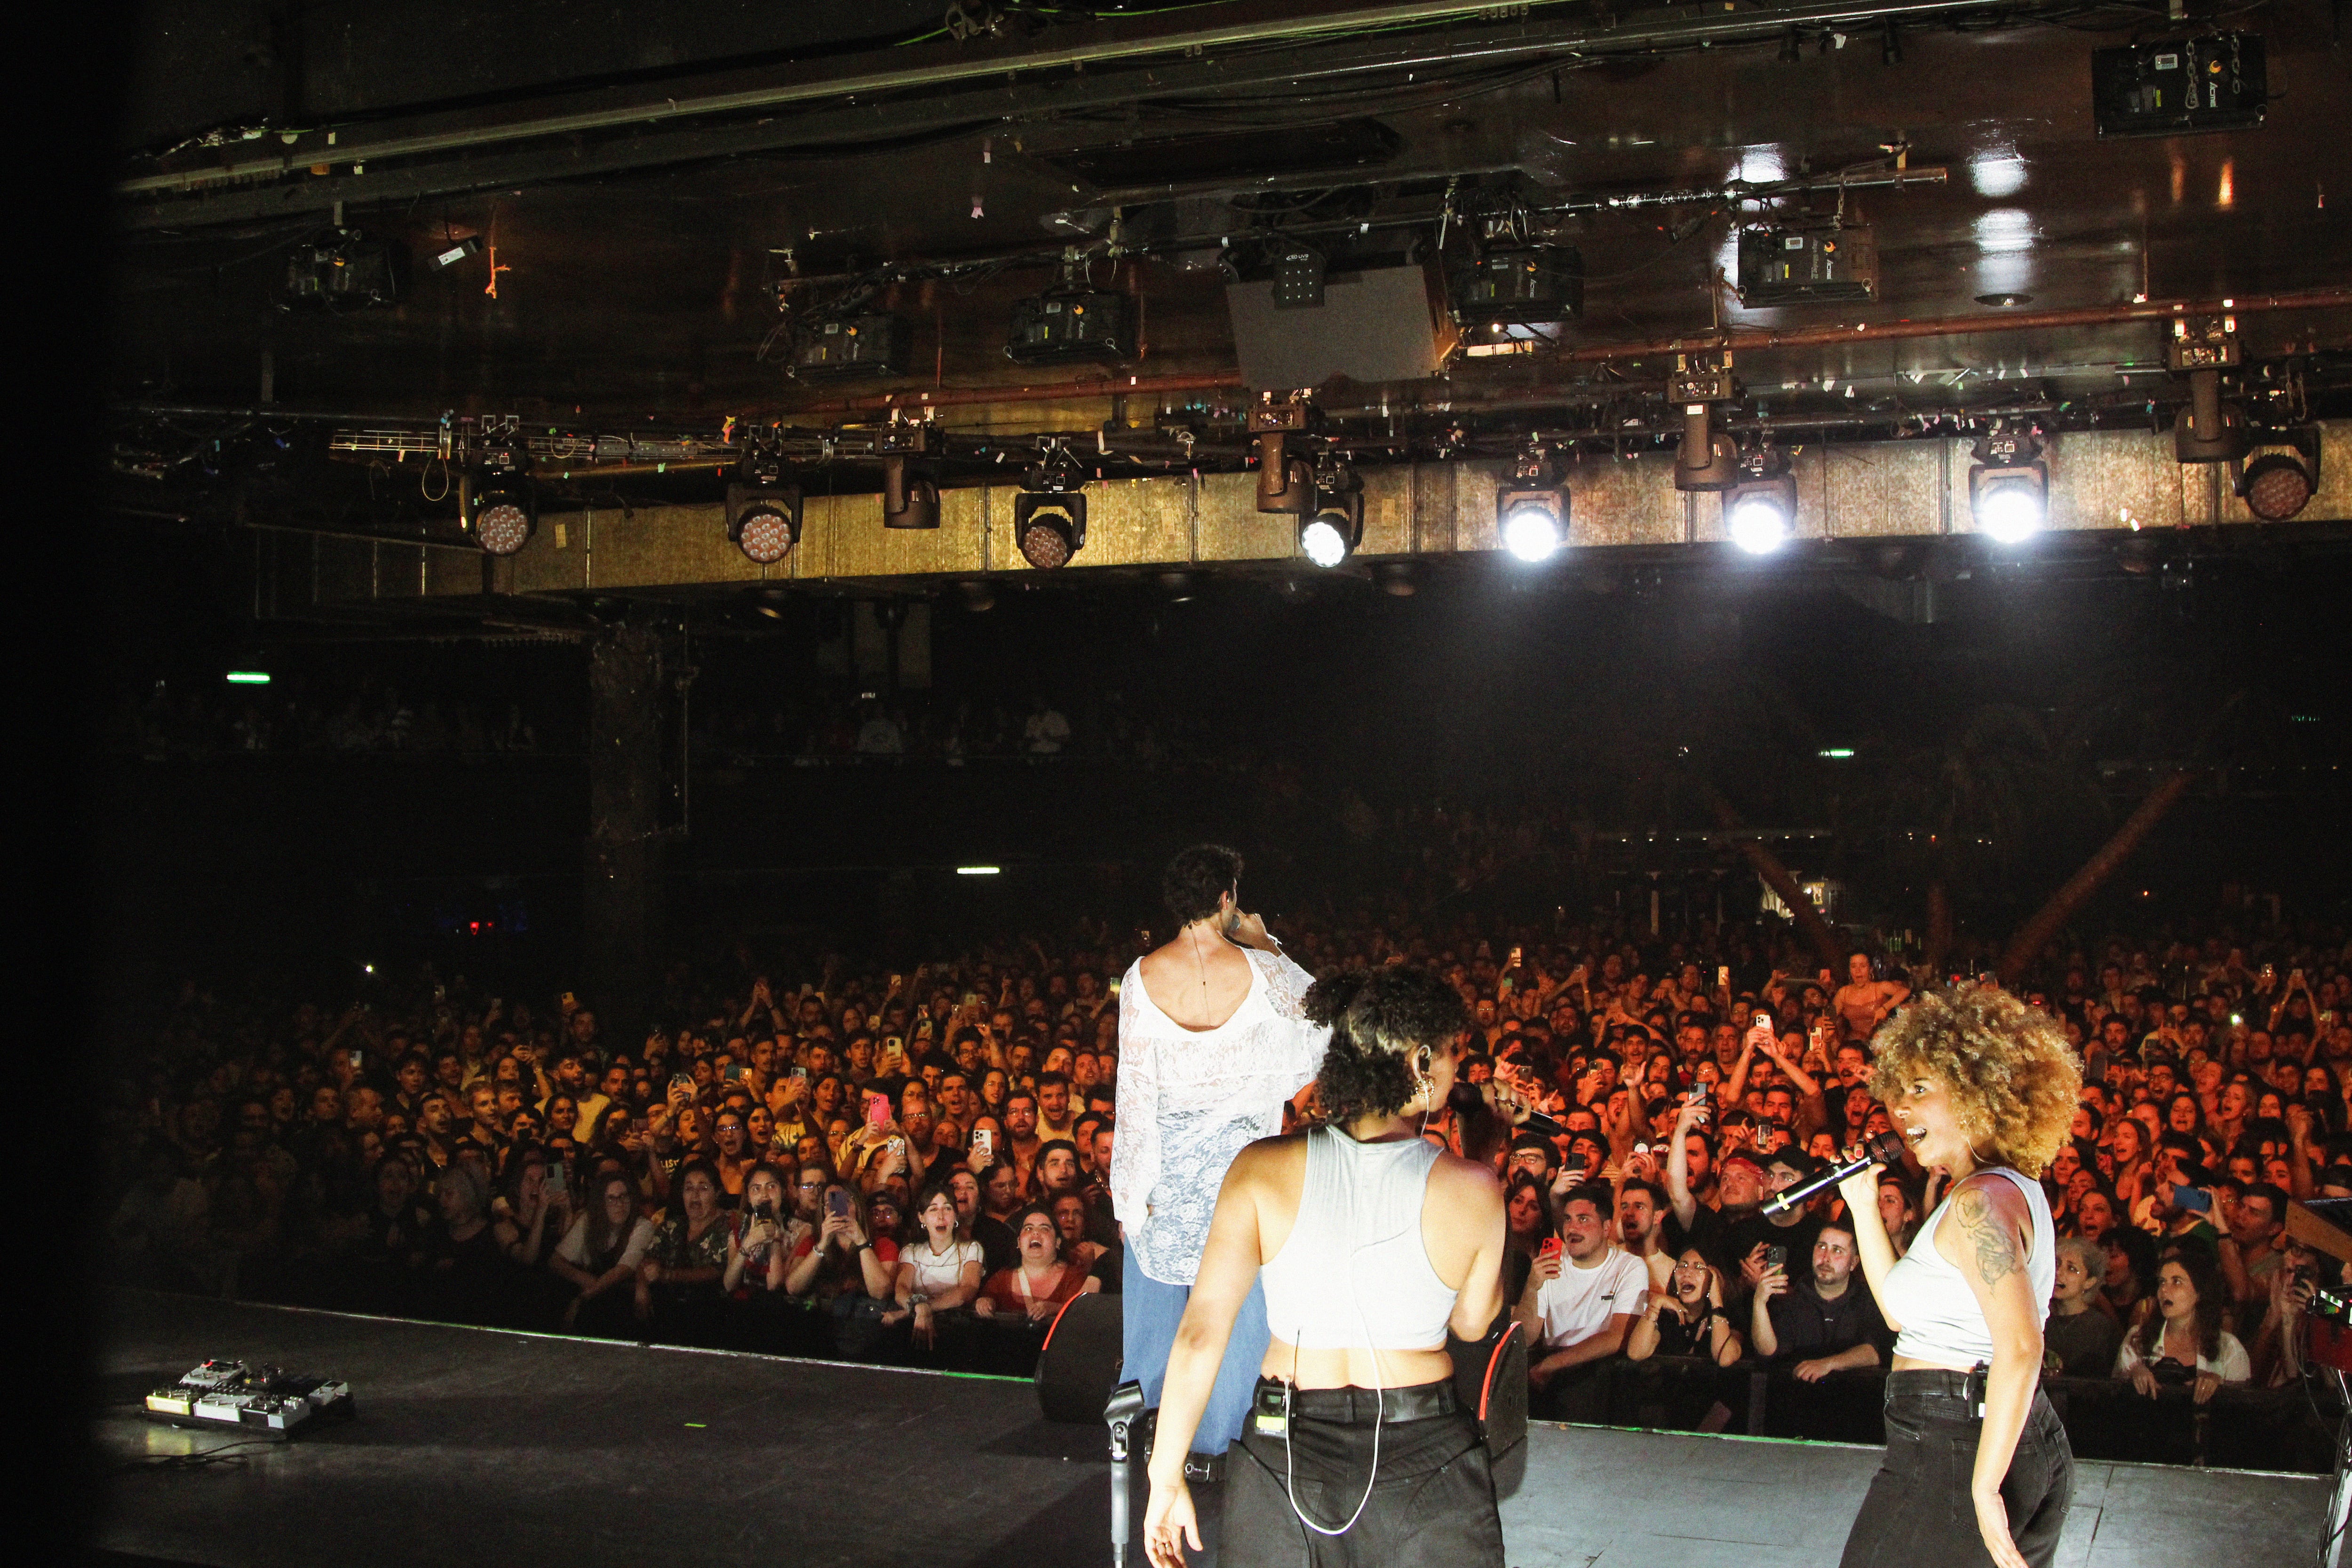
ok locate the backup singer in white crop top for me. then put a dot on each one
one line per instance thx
(1370, 1240)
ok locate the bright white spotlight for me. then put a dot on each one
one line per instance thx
(1531, 505)
(2008, 487)
(1531, 531)
(2010, 514)
(1321, 541)
(1757, 525)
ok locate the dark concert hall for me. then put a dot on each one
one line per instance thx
(1196, 784)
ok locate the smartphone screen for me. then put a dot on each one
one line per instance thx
(878, 1111)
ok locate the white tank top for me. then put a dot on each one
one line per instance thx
(1928, 1295)
(1354, 1274)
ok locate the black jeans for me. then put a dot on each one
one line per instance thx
(1919, 1513)
(1432, 1505)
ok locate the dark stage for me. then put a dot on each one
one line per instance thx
(478, 1446)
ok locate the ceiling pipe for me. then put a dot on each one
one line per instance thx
(1962, 326)
(635, 109)
(1597, 353)
(1132, 386)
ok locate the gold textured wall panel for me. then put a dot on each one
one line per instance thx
(1880, 489)
(1632, 502)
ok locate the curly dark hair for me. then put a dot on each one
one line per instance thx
(1197, 879)
(2012, 1077)
(1378, 1018)
(2212, 1301)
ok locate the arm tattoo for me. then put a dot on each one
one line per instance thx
(1995, 1249)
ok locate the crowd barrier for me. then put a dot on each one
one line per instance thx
(2106, 1418)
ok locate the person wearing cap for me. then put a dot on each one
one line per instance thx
(1748, 1237)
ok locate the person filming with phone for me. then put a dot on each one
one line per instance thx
(1581, 1300)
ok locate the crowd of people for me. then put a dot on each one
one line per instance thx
(823, 724)
(913, 1165)
(214, 718)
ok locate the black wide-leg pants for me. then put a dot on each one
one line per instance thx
(1920, 1512)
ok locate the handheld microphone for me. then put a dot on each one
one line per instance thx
(1465, 1101)
(1886, 1149)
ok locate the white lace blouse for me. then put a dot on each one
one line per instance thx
(1189, 1099)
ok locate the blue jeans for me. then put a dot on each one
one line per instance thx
(1149, 1311)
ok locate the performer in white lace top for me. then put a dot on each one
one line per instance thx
(1211, 1042)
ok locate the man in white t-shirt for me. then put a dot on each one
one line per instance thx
(1579, 1303)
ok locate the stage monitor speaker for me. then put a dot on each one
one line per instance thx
(1382, 324)
(1078, 1367)
(1490, 1380)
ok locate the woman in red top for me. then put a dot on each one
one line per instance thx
(1043, 1279)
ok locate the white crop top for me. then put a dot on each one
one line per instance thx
(1925, 1292)
(1354, 1274)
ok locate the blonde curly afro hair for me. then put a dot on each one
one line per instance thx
(2012, 1076)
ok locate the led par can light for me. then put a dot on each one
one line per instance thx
(498, 503)
(763, 521)
(1050, 524)
(2285, 474)
(1330, 532)
(503, 522)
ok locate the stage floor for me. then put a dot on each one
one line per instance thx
(474, 1447)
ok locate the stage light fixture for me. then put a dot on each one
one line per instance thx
(763, 523)
(1708, 459)
(1284, 484)
(910, 491)
(1531, 508)
(1333, 524)
(2008, 487)
(763, 507)
(1781, 266)
(2281, 481)
(2208, 430)
(341, 269)
(850, 348)
(498, 503)
(1760, 510)
(1510, 299)
(1071, 327)
(1049, 515)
